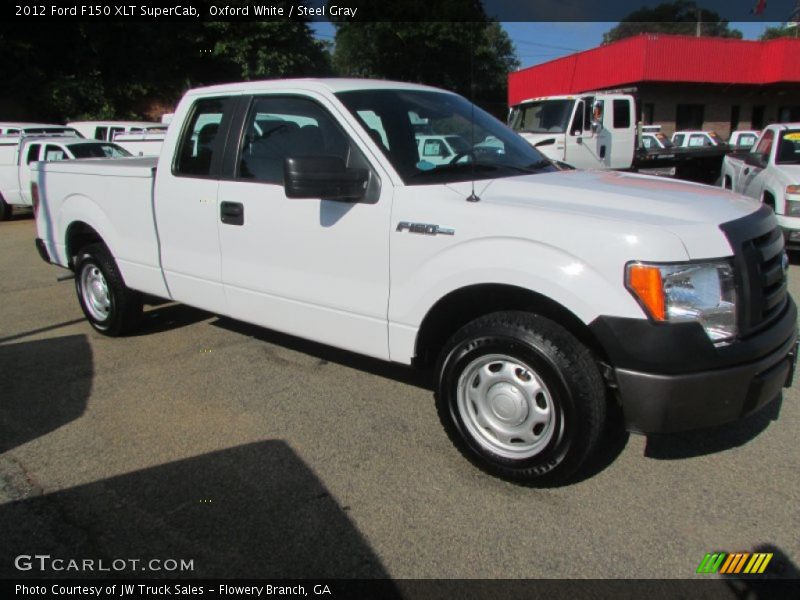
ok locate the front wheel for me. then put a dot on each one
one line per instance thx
(5, 210)
(521, 397)
(111, 308)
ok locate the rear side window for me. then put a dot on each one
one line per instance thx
(201, 141)
(54, 153)
(33, 154)
(622, 114)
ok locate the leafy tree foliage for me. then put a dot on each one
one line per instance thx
(679, 17)
(470, 55)
(55, 72)
(771, 33)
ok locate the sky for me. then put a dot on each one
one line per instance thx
(538, 42)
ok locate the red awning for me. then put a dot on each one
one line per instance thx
(661, 58)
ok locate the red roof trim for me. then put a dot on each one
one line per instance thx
(661, 58)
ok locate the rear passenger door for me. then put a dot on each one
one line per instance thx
(186, 207)
(310, 267)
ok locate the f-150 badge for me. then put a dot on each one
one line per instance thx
(424, 228)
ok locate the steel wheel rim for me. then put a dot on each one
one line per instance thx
(94, 291)
(505, 406)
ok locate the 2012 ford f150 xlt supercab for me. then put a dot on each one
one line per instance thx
(538, 295)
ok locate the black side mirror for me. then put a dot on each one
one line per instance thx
(756, 159)
(325, 177)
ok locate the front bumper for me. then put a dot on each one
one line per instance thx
(654, 403)
(671, 378)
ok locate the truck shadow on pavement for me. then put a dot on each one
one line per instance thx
(374, 366)
(167, 315)
(45, 384)
(712, 440)
(255, 510)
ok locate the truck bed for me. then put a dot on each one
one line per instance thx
(110, 195)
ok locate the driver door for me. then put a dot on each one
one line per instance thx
(315, 268)
(580, 147)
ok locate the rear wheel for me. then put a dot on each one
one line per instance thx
(521, 397)
(111, 308)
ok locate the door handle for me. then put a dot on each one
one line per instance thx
(231, 213)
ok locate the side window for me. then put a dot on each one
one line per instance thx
(101, 133)
(647, 141)
(279, 127)
(433, 148)
(587, 113)
(578, 118)
(114, 131)
(54, 153)
(198, 144)
(765, 145)
(33, 154)
(678, 139)
(622, 113)
(699, 140)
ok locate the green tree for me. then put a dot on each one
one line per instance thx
(771, 33)
(120, 69)
(678, 18)
(472, 57)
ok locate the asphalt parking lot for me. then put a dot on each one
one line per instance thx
(260, 455)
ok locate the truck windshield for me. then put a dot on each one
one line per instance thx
(438, 137)
(789, 148)
(97, 151)
(544, 116)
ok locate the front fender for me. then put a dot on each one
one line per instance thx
(585, 290)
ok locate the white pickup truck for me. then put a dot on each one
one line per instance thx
(15, 161)
(538, 296)
(770, 173)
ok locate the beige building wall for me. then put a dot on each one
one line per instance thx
(718, 102)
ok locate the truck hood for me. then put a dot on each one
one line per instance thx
(691, 211)
(790, 171)
(535, 138)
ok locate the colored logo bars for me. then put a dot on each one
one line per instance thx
(736, 563)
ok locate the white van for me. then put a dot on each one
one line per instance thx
(106, 130)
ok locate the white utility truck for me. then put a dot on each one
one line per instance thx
(598, 130)
(770, 173)
(538, 296)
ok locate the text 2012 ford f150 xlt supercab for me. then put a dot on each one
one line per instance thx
(537, 295)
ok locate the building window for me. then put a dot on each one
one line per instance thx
(788, 114)
(648, 113)
(735, 110)
(689, 116)
(757, 120)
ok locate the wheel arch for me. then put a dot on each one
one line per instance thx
(460, 306)
(80, 234)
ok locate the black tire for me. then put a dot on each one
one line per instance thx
(122, 306)
(573, 397)
(5, 210)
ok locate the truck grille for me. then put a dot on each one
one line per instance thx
(761, 286)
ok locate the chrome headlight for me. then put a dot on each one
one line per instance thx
(677, 293)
